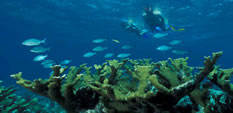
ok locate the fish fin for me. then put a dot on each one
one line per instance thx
(43, 41)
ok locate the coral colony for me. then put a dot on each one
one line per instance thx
(138, 86)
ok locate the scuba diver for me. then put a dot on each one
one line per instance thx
(153, 20)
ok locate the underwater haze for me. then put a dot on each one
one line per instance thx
(73, 32)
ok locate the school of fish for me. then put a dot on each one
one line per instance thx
(37, 48)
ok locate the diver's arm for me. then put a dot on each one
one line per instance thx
(161, 18)
(162, 23)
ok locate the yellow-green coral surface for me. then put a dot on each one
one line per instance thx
(120, 85)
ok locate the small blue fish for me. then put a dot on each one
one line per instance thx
(65, 62)
(179, 52)
(49, 65)
(160, 35)
(33, 42)
(99, 40)
(89, 54)
(108, 55)
(175, 42)
(99, 49)
(47, 62)
(163, 48)
(126, 47)
(39, 49)
(40, 58)
(123, 55)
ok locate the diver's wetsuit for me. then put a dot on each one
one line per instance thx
(154, 20)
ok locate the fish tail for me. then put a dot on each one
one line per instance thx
(43, 41)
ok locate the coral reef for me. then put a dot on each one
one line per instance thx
(137, 86)
(10, 103)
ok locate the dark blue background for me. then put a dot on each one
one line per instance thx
(71, 25)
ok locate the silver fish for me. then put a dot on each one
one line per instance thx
(123, 55)
(126, 47)
(163, 48)
(89, 54)
(160, 35)
(65, 62)
(47, 62)
(40, 58)
(99, 48)
(179, 52)
(99, 40)
(49, 65)
(33, 42)
(175, 42)
(108, 55)
(39, 49)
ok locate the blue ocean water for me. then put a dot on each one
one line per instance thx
(71, 25)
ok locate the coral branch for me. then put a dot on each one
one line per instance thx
(52, 88)
(222, 77)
